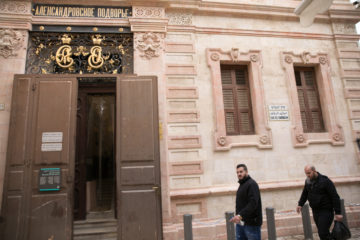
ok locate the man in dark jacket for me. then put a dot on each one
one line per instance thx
(321, 193)
(248, 217)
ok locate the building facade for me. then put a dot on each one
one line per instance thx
(139, 112)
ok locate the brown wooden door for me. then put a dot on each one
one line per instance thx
(17, 166)
(42, 106)
(137, 159)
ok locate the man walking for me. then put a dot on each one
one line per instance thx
(321, 193)
(248, 217)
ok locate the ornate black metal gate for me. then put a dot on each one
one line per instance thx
(79, 53)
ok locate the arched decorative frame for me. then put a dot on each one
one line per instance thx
(262, 137)
(320, 62)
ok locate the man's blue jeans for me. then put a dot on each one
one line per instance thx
(247, 232)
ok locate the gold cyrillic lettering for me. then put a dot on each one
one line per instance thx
(60, 11)
(107, 13)
(124, 15)
(41, 11)
(51, 11)
(91, 12)
(37, 11)
(65, 13)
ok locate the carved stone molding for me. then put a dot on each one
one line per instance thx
(215, 57)
(222, 141)
(254, 58)
(264, 139)
(305, 56)
(322, 60)
(149, 44)
(15, 7)
(180, 18)
(288, 59)
(344, 28)
(148, 12)
(300, 138)
(10, 41)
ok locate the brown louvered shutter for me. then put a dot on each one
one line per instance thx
(237, 100)
(309, 102)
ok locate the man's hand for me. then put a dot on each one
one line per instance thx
(236, 219)
(298, 209)
(339, 218)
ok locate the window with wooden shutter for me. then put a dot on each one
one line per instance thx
(309, 102)
(237, 100)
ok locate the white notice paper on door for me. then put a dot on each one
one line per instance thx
(51, 147)
(52, 137)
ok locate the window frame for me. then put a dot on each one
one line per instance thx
(305, 88)
(237, 110)
(253, 60)
(333, 130)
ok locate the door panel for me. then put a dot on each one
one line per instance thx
(137, 122)
(138, 161)
(51, 211)
(53, 115)
(12, 214)
(138, 175)
(139, 215)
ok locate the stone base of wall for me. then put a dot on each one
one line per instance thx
(287, 223)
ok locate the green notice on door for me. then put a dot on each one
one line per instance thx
(49, 179)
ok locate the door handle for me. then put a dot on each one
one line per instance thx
(156, 189)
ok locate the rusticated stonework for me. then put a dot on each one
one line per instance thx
(15, 7)
(149, 44)
(148, 12)
(10, 41)
(179, 18)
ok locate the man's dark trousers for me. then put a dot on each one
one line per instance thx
(323, 219)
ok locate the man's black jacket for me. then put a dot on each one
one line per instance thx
(321, 194)
(248, 202)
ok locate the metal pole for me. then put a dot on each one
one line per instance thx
(188, 227)
(230, 227)
(270, 219)
(306, 222)
(343, 212)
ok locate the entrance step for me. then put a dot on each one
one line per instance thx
(95, 229)
(100, 214)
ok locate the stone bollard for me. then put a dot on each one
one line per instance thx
(230, 227)
(308, 234)
(188, 235)
(270, 219)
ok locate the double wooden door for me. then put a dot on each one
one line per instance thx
(46, 105)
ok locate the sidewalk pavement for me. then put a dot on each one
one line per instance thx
(355, 235)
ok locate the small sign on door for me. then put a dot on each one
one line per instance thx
(49, 179)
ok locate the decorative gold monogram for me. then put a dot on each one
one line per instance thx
(63, 56)
(96, 60)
